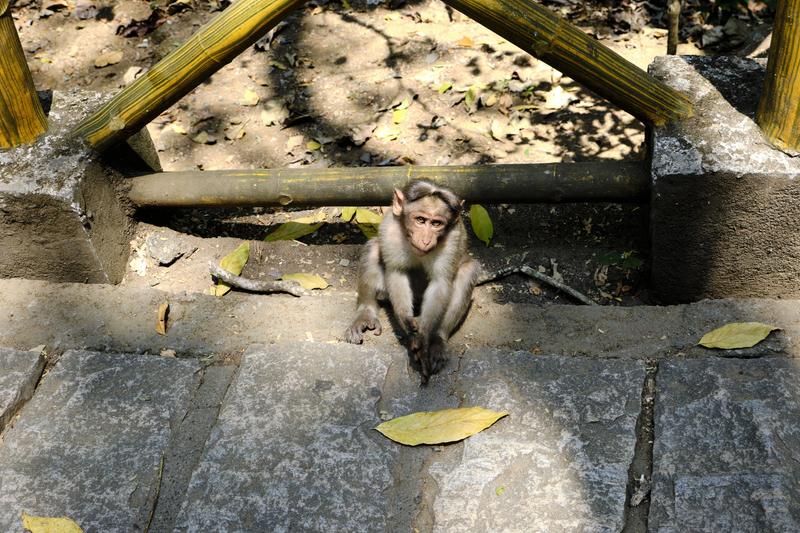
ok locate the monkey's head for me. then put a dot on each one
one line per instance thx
(427, 212)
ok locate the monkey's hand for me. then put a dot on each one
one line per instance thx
(363, 322)
(429, 352)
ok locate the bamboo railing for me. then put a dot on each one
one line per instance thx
(22, 119)
(779, 108)
(519, 183)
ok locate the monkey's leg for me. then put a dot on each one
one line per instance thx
(370, 284)
(461, 296)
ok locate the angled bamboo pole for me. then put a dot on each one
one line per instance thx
(549, 182)
(22, 119)
(564, 46)
(213, 46)
(779, 108)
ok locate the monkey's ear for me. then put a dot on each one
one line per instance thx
(397, 202)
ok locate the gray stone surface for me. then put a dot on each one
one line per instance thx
(19, 372)
(62, 216)
(724, 203)
(294, 448)
(559, 462)
(727, 446)
(89, 444)
(122, 319)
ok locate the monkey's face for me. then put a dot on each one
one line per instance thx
(426, 221)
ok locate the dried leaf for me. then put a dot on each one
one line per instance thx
(399, 115)
(234, 263)
(250, 98)
(498, 130)
(43, 524)
(737, 335)
(177, 128)
(365, 216)
(446, 86)
(466, 42)
(109, 58)
(471, 99)
(163, 313)
(369, 230)
(481, 223)
(307, 281)
(348, 213)
(558, 98)
(313, 145)
(437, 427)
(299, 227)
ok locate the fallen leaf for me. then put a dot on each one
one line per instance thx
(348, 213)
(446, 86)
(498, 130)
(131, 74)
(466, 42)
(177, 128)
(481, 223)
(203, 138)
(369, 230)
(471, 99)
(399, 115)
(234, 263)
(499, 491)
(558, 98)
(437, 427)
(387, 133)
(307, 281)
(274, 112)
(365, 216)
(299, 227)
(250, 98)
(313, 145)
(737, 335)
(42, 524)
(109, 58)
(163, 313)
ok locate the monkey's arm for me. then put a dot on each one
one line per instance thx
(370, 284)
(398, 285)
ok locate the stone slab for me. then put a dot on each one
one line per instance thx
(558, 462)
(89, 444)
(19, 372)
(724, 203)
(294, 448)
(727, 446)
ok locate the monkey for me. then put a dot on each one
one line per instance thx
(422, 233)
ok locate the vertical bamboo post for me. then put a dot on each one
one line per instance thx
(22, 119)
(779, 108)
(674, 26)
(561, 44)
(208, 50)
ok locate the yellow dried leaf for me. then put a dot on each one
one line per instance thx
(250, 98)
(466, 42)
(307, 281)
(365, 216)
(163, 313)
(737, 335)
(299, 227)
(437, 427)
(43, 524)
(313, 145)
(348, 213)
(234, 263)
(177, 128)
(399, 115)
(481, 223)
(369, 230)
(446, 86)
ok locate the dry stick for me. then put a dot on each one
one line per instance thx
(528, 271)
(252, 285)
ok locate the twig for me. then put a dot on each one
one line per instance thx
(528, 271)
(291, 287)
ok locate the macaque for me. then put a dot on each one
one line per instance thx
(423, 233)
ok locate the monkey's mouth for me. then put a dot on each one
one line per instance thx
(417, 250)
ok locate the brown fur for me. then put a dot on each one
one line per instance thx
(423, 232)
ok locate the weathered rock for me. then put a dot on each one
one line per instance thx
(727, 435)
(63, 213)
(19, 372)
(166, 247)
(294, 448)
(89, 444)
(724, 203)
(558, 462)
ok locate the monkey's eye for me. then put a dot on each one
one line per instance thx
(436, 223)
(419, 220)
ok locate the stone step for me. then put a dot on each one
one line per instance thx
(122, 319)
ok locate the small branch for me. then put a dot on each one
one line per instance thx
(528, 271)
(291, 287)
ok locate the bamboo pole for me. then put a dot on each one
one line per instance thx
(673, 25)
(22, 119)
(564, 46)
(779, 108)
(551, 182)
(213, 46)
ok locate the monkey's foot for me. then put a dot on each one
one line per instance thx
(430, 354)
(354, 334)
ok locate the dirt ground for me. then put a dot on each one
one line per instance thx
(371, 83)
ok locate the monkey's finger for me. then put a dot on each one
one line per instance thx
(377, 327)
